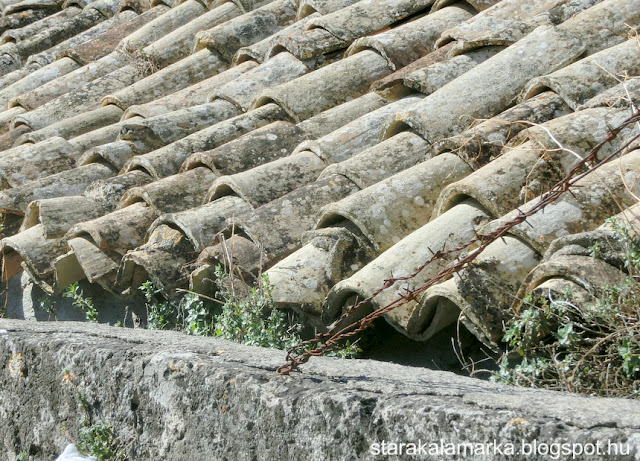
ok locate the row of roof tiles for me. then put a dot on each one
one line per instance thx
(332, 143)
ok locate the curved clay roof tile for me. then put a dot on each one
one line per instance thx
(447, 231)
(176, 45)
(485, 290)
(201, 224)
(389, 210)
(309, 7)
(412, 40)
(483, 91)
(326, 87)
(190, 96)
(584, 79)
(168, 159)
(367, 16)
(247, 29)
(169, 127)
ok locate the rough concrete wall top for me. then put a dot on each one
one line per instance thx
(175, 396)
(133, 132)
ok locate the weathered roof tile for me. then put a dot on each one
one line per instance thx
(331, 143)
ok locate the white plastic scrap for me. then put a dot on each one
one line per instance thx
(71, 453)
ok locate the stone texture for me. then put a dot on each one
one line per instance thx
(174, 396)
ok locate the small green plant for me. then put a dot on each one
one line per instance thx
(256, 319)
(350, 350)
(198, 315)
(592, 349)
(190, 314)
(48, 305)
(161, 314)
(630, 361)
(99, 440)
(22, 456)
(79, 300)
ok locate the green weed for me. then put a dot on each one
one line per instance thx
(100, 441)
(592, 349)
(82, 302)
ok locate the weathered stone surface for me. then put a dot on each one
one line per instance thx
(116, 153)
(302, 280)
(178, 397)
(109, 191)
(603, 25)
(307, 44)
(571, 260)
(479, 5)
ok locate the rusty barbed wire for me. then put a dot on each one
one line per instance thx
(327, 342)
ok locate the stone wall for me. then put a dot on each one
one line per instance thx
(172, 396)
